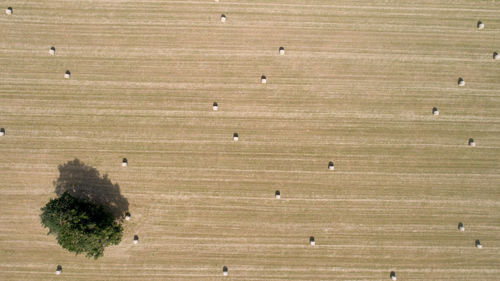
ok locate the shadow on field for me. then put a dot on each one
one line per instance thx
(84, 182)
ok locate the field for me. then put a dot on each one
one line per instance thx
(356, 86)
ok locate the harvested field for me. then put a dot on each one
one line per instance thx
(356, 86)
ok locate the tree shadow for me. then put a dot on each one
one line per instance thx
(84, 182)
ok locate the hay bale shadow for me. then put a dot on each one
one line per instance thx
(85, 182)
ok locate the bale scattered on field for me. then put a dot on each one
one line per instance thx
(8, 11)
(480, 25)
(461, 82)
(2, 132)
(331, 167)
(496, 56)
(127, 216)
(215, 106)
(277, 194)
(235, 136)
(471, 142)
(393, 275)
(478, 244)
(136, 239)
(124, 162)
(461, 226)
(282, 50)
(59, 269)
(223, 18)
(224, 271)
(312, 241)
(67, 74)
(52, 50)
(435, 111)
(263, 79)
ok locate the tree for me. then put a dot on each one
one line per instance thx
(80, 226)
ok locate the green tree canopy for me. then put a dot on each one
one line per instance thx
(80, 226)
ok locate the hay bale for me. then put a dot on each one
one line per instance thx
(263, 79)
(312, 242)
(496, 56)
(461, 226)
(2, 132)
(136, 239)
(331, 167)
(124, 162)
(393, 276)
(235, 137)
(224, 271)
(127, 216)
(472, 142)
(58, 269)
(435, 111)
(52, 50)
(222, 18)
(8, 11)
(277, 194)
(478, 244)
(461, 82)
(282, 50)
(480, 25)
(215, 106)
(67, 74)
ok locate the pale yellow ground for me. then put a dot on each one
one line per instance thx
(356, 86)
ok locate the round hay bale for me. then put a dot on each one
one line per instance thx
(52, 50)
(136, 239)
(2, 132)
(435, 111)
(124, 162)
(478, 244)
(461, 82)
(8, 11)
(496, 56)
(235, 137)
(282, 50)
(67, 74)
(58, 269)
(472, 142)
(461, 226)
(215, 106)
(263, 79)
(480, 25)
(331, 167)
(312, 242)
(225, 271)
(393, 276)
(277, 194)
(222, 18)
